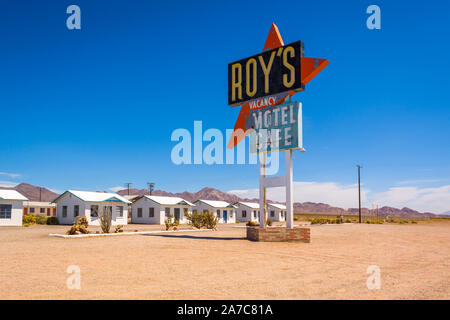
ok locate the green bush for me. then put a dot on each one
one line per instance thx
(404, 221)
(295, 218)
(269, 222)
(195, 219)
(28, 219)
(321, 220)
(209, 220)
(374, 221)
(237, 221)
(41, 219)
(52, 221)
(413, 221)
(200, 220)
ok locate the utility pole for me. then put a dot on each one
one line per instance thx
(40, 194)
(151, 185)
(359, 190)
(127, 185)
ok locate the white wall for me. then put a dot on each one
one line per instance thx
(16, 213)
(231, 212)
(70, 201)
(115, 218)
(277, 213)
(159, 212)
(250, 213)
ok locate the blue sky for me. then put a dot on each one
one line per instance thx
(95, 108)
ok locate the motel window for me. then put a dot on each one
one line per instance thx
(151, 212)
(119, 211)
(272, 213)
(185, 211)
(218, 213)
(254, 214)
(231, 213)
(31, 210)
(205, 210)
(76, 211)
(42, 210)
(5, 211)
(194, 211)
(139, 212)
(244, 213)
(167, 211)
(64, 211)
(94, 210)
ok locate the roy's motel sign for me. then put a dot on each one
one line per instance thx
(264, 84)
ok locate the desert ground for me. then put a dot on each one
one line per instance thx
(414, 261)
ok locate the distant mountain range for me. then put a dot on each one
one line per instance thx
(35, 193)
(305, 207)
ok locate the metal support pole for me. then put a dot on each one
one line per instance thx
(262, 190)
(289, 190)
(359, 192)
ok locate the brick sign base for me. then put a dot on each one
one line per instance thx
(278, 234)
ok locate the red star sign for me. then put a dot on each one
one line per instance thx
(310, 67)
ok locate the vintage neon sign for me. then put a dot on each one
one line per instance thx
(270, 72)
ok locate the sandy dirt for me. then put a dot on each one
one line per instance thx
(414, 261)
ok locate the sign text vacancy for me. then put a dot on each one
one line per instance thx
(268, 73)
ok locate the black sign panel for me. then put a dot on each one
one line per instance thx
(265, 74)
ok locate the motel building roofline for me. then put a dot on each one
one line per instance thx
(166, 201)
(93, 196)
(217, 204)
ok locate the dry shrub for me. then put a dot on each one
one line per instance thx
(170, 222)
(79, 226)
(251, 223)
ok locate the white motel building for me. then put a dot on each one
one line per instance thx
(38, 207)
(276, 212)
(11, 208)
(155, 209)
(226, 212)
(246, 211)
(72, 204)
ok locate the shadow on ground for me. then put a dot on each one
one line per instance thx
(194, 237)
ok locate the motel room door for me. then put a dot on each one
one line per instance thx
(177, 213)
(225, 216)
